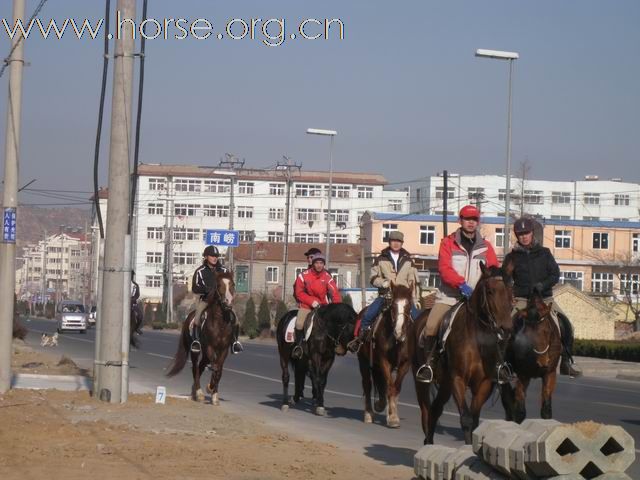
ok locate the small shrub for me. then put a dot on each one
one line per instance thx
(628, 351)
(250, 323)
(264, 315)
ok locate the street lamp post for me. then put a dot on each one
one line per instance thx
(332, 134)
(510, 57)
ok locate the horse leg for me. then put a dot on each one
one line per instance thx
(284, 365)
(196, 369)
(520, 412)
(548, 385)
(321, 382)
(300, 373)
(507, 397)
(365, 373)
(480, 396)
(216, 375)
(394, 393)
(433, 414)
(466, 418)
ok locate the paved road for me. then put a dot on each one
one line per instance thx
(251, 384)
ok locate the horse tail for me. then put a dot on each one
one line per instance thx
(180, 358)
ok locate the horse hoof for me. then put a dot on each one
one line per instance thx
(284, 408)
(215, 401)
(320, 411)
(368, 418)
(199, 396)
(393, 423)
(379, 405)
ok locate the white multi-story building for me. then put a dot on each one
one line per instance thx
(66, 275)
(590, 199)
(188, 200)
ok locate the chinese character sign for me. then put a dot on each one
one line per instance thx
(9, 225)
(222, 238)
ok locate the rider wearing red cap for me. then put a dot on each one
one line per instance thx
(313, 288)
(459, 266)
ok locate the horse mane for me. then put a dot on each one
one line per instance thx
(403, 291)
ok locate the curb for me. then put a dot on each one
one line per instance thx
(628, 377)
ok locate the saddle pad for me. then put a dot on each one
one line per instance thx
(289, 333)
(447, 323)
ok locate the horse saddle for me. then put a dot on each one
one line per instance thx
(202, 323)
(447, 324)
(289, 333)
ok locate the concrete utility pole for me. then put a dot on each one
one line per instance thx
(287, 167)
(445, 203)
(44, 274)
(10, 200)
(117, 273)
(233, 163)
(253, 244)
(167, 269)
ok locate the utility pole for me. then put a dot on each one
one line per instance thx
(167, 269)
(10, 200)
(117, 274)
(233, 163)
(253, 244)
(445, 202)
(44, 274)
(287, 167)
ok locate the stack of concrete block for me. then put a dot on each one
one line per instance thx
(536, 449)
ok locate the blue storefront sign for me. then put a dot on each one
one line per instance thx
(222, 238)
(9, 225)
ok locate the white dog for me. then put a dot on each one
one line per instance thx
(49, 340)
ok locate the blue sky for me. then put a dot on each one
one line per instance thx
(403, 89)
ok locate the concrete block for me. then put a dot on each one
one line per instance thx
(475, 469)
(517, 455)
(427, 462)
(616, 449)
(455, 459)
(496, 444)
(483, 429)
(613, 476)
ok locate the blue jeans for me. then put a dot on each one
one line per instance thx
(374, 310)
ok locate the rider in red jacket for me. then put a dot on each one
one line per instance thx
(314, 287)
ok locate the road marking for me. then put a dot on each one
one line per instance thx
(617, 405)
(158, 355)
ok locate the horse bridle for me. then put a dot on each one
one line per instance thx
(336, 341)
(491, 322)
(546, 317)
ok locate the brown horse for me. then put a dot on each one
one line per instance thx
(216, 338)
(534, 352)
(471, 355)
(389, 349)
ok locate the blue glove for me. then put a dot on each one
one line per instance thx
(466, 290)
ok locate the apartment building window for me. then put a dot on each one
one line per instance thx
(217, 186)
(246, 235)
(591, 199)
(387, 228)
(338, 238)
(155, 209)
(433, 278)
(499, 238)
(621, 199)
(620, 219)
(601, 241)
(560, 217)
(185, 258)
(157, 184)
(186, 234)
(306, 238)
(154, 258)
(533, 197)
(245, 188)
(273, 274)
(365, 192)
(184, 185)
(475, 193)
(440, 193)
(502, 194)
(299, 270)
(276, 214)
(155, 233)
(153, 281)
(275, 237)
(245, 212)
(572, 278)
(591, 219)
(601, 282)
(563, 238)
(395, 205)
(307, 214)
(561, 198)
(427, 235)
(338, 191)
(276, 189)
(308, 190)
(185, 210)
(630, 283)
(635, 243)
(337, 215)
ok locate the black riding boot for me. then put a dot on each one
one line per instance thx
(567, 366)
(138, 323)
(425, 371)
(354, 345)
(195, 340)
(236, 347)
(297, 352)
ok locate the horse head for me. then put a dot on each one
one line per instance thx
(225, 290)
(401, 301)
(538, 326)
(493, 298)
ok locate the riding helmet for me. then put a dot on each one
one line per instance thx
(396, 236)
(523, 225)
(312, 251)
(469, 211)
(211, 251)
(318, 256)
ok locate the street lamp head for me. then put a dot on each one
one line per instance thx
(318, 131)
(497, 54)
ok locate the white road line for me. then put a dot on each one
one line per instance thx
(617, 405)
(158, 355)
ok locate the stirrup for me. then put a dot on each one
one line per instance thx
(424, 373)
(503, 369)
(297, 352)
(354, 345)
(236, 348)
(196, 347)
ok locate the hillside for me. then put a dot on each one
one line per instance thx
(33, 221)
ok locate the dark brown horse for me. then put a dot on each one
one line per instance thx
(471, 355)
(534, 352)
(216, 339)
(333, 328)
(389, 349)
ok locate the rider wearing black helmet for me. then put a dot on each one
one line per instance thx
(135, 310)
(310, 253)
(204, 280)
(536, 272)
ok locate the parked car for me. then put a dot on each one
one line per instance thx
(71, 315)
(91, 319)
